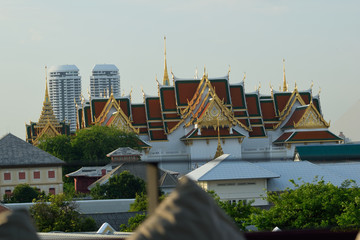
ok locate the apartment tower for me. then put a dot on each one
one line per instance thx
(105, 79)
(64, 90)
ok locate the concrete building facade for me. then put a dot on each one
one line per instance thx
(64, 91)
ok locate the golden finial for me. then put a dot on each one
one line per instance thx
(130, 93)
(166, 81)
(229, 71)
(271, 88)
(46, 87)
(142, 90)
(244, 77)
(219, 150)
(204, 70)
(296, 86)
(285, 86)
(259, 87)
(196, 76)
(312, 84)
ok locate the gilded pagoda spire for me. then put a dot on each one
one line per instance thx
(219, 150)
(285, 88)
(47, 114)
(166, 76)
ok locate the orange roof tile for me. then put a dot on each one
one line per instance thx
(110, 120)
(268, 110)
(281, 99)
(138, 114)
(153, 110)
(295, 117)
(157, 135)
(185, 91)
(283, 137)
(257, 132)
(221, 89)
(97, 106)
(252, 103)
(306, 96)
(237, 97)
(168, 101)
(308, 136)
(125, 106)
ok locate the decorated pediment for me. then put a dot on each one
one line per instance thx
(120, 121)
(111, 106)
(311, 119)
(49, 130)
(213, 116)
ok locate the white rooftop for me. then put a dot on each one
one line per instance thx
(105, 67)
(227, 168)
(63, 68)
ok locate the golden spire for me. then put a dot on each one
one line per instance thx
(285, 88)
(47, 114)
(219, 150)
(166, 76)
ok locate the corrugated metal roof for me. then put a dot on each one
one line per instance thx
(349, 170)
(302, 171)
(226, 168)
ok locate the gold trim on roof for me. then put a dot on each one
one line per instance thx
(311, 119)
(48, 130)
(166, 81)
(285, 86)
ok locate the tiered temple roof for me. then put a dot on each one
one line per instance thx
(47, 125)
(210, 108)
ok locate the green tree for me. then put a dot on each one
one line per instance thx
(88, 147)
(133, 223)
(311, 205)
(92, 144)
(58, 146)
(124, 185)
(240, 212)
(22, 193)
(59, 215)
(140, 204)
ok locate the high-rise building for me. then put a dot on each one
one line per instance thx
(105, 79)
(64, 90)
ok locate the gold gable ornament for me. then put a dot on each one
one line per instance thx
(311, 119)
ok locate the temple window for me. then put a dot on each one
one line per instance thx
(51, 174)
(21, 175)
(7, 176)
(37, 175)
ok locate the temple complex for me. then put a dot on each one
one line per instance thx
(194, 120)
(47, 125)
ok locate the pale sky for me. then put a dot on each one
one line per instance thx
(320, 41)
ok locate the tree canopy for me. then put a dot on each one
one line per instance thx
(312, 205)
(59, 215)
(124, 185)
(23, 193)
(88, 146)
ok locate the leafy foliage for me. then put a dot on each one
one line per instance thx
(311, 205)
(124, 185)
(22, 193)
(140, 204)
(89, 146)
(59, 215)
(240, 211)
(133, 223)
